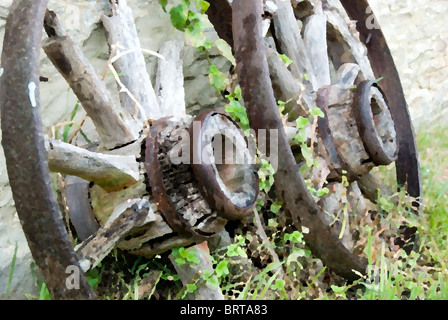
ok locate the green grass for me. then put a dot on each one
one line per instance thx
(422, 274)
(11, 271)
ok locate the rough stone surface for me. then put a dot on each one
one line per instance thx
(416, 31)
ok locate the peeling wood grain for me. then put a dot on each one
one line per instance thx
(108, 171)
(170, 79)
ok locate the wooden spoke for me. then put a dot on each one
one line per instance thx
(114, 125)
(137, 94)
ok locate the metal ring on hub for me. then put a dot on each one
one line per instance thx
(155, 179)
(364, 114)
(223, 165)
(158, 185)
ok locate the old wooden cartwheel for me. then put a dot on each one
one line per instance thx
(145, 201)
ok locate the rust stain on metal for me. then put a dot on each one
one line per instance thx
(159, 191)
(155, 178)
(23, 144)
(220, 15)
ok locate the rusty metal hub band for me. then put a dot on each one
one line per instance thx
(225, 176)
(366, 125)
(158, 186)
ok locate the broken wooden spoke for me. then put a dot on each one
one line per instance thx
(287, 33)
(194, 274)
(315, 41)
(129, 215)
(287, 88)
(106, 170)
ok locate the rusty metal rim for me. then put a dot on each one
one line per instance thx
(25, 154)
(206, 176)
(383, 65)
(159, 191)
(366, 125)
(342, 167)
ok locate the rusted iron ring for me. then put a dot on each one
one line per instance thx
(362, 110)
(232, 199)
(159, 191)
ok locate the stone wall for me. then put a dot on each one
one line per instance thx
(415, 29)
(417, 33)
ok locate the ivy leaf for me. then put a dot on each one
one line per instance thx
(182, 252)
(306, 153)
(179, 16)
(275, 207)
(202, 5)
(285, 59)
(225, 50)
(163, 3)
(322, 192)
(222, 269)
(195, 36)
(281, 104)
(279, 284)
(191, 257)
(294, 237)
(211, 279)
(180, 261)
(385, 204)
(191, 287)
(301, 136)
(317, 112)
(302, 122)
(272, 223)
(218, 79)
(235, 107)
